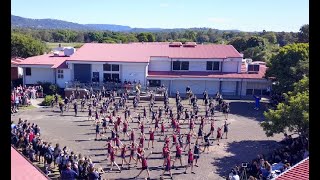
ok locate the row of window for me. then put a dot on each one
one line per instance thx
(184, 65)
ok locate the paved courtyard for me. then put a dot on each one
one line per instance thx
(245, 140)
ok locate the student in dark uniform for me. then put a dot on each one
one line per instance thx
(75, 107)
(196, 152)
(98, 130)
(89, 114)
(225, 129)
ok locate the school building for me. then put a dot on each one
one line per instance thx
(211, 67)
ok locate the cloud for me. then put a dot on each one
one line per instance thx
(164, 5)
(219, 20)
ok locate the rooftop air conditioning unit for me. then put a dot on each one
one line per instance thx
(190, 44)
(253, 68)
(175, 44)
(248, 61)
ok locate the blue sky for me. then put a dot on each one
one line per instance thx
(244, 15)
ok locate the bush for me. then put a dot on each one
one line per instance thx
(49, 88)
(47, 100)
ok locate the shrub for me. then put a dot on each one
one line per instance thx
(47, 100)
(49, 88)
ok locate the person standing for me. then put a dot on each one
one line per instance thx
(144, 165)
(68, 173)
(190, 162)
(75, 107)
(257, 102)
(226, 129)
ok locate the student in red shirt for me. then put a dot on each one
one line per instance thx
(212, 127)
(190, 161)
(132, 151)
(125, 128)
(178, 154)
(132, 139)
(113, 161)
(144, 165)
(188, 140)
(123, 155)
(151, 131)
(162, 129)
(168, 166)
(219, 134)
(140, 151)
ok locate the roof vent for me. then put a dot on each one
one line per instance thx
(175, 44)
(190, 44)
(68, 51)
(55, 53)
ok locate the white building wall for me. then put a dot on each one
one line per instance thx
(159, 64)
(134, 71)
(197, 86)
(212, 87)
(197, 65)
(66, 78)
(230, 66)
(229, 87)
(40, 74)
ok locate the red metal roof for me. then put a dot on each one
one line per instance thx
(46, 59)
(134, 52)
(16, 61)
(22, 169)
(299, 171)
(141, 52)
(204, 74)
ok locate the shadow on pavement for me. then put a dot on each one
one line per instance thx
(243, 151)
(246, 109)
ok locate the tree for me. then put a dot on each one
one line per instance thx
(255, 41)
(25, 46)
(151, 37)
(271, 37)
(303, 35)
(142, 37)
(289, 66)
(291, 115)
(239, 43)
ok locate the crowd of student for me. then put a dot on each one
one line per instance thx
(267, 167)
(21, 95)
(25, 136)
(104, 111)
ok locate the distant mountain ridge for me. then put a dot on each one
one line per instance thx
(21, 22)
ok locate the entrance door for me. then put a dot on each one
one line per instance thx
(82, 72)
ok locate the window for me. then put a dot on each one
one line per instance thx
(115, 67)
(249, 92)
(154, 83)
(111, 67)
(213, 66)
(28, 71)
(107, 67)
(60, 74)
(180, 65)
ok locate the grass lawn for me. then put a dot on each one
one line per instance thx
(27, 107)
(52, 45)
